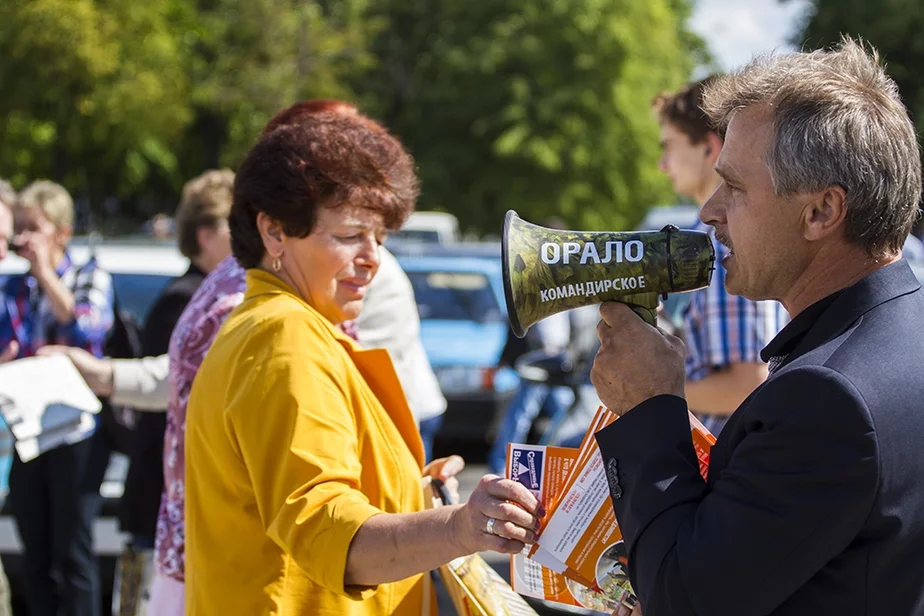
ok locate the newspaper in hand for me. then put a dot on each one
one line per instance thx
(45, 403)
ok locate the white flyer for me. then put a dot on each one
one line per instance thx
(44, 402)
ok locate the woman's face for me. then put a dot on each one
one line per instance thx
(332, 267)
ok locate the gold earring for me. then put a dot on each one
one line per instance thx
(277, 264)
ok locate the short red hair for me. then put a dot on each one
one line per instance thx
(302, 109)
(305, 160)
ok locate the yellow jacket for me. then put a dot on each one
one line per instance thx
(295, 437)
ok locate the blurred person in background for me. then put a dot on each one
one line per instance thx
(7, 200)
(304, 461)
(204, 238)
(913, 249)
(55, 497)
(724, 334)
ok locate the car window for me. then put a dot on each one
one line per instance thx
(455, 296)
(137, 292)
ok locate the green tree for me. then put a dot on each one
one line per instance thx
(542, 106)
(94, 94)
(249, 58)
(116, 98)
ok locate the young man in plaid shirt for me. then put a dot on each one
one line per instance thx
(724, 334)
(55, 497)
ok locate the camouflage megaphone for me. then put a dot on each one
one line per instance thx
(547, 271)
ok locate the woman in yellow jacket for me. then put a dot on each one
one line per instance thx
(303, 462)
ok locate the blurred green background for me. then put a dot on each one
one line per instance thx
(542, 106)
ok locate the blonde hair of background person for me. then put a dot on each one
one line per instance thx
(300, 445)
(52, 200)
(44, 215)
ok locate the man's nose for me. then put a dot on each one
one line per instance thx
(713, 211)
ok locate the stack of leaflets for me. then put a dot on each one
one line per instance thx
(44, 403)
(579, 558)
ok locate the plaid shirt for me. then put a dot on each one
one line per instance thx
(722, 329)
(26, 314)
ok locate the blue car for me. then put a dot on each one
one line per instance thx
(463, 320)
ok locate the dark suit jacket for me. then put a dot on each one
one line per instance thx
(145, 480)
(814, 503)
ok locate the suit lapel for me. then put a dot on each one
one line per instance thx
(887, 283)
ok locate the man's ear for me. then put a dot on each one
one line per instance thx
(272, 235)
(824, 213)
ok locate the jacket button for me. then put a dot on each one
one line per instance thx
(612, 478)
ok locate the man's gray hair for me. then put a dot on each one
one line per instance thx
(837, 120)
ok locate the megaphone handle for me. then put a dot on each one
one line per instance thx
(648, 315)
(644, 305)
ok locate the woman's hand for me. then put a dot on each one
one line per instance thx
(33, 247)
(446, 469)
(624, 611)
(515, 511)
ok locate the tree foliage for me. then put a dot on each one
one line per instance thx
(537, 105)
(92, 93)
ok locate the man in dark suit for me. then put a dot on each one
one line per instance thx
(813, 503)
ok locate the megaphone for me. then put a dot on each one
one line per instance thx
(547, 271)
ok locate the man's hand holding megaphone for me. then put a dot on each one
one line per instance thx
(636, 361)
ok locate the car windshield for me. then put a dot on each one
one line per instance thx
(136, 293)
(455, 296)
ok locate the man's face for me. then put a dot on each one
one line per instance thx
(6, 230)
(687, 164)
(762, 230)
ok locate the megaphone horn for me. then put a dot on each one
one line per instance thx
(547, 271)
